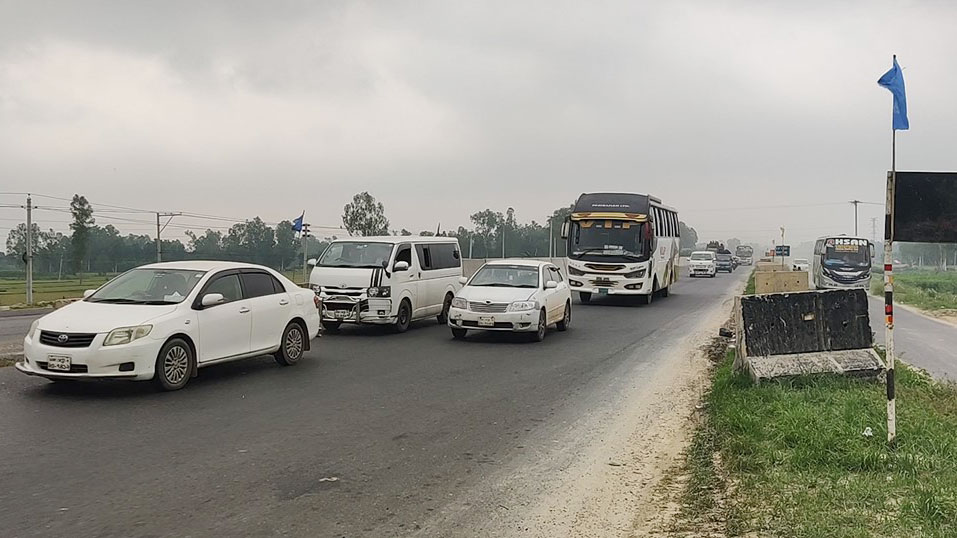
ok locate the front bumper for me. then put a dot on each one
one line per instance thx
(377, 311)
(702, 270)
(525, 321)
(138, 359)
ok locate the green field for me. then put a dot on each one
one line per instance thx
(791, 459)
(13, 291)
(933, 291)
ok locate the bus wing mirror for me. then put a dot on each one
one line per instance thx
(872, 251)
(564, 233)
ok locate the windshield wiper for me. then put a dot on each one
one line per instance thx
(117, 300)
(159, 302)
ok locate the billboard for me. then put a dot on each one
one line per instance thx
(925, 207)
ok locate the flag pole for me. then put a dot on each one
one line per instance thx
(889, 292)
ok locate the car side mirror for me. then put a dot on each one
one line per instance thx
(211, 299)
(401, 266)
(463, 281)
(87, 293)
(551, 284)
(311, 262)
(564, 233)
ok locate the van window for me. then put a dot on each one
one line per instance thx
(425, 257)
(404, 254)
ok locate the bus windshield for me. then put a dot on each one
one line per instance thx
(850, 254)
(622, 239)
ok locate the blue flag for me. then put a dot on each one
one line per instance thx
(893, 80)
(297, 224)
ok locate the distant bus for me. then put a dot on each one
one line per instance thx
(621, 244)
(842, 262)
(745, 254)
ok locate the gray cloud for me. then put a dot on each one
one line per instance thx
(268, 108)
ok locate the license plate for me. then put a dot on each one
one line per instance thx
(602, 291)
(341, 314)
(486, 321)
(58, 362)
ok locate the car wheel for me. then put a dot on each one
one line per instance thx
(443, 316)
(459, 334)
(647, 299)
(584, 297)
(292, 345)
(566, 319)
(174, 365)
(331, 325)
(404, 317)
(539, 335)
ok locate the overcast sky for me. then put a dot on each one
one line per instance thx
(441, 109)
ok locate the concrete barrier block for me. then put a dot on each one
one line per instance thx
(780, 281)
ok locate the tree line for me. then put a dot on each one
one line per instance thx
(90, 248)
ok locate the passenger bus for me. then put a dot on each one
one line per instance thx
(621, 244)
(842, 262)
(745, 254)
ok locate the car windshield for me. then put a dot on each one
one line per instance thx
(356, 254)
(148, 286)
(606, 238)
(506, 276)
(724, 257)
(701, 256)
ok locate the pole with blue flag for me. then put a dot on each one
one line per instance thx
(893, 80)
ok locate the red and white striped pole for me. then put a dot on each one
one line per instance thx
(889, 294)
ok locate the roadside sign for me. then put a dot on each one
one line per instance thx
(782, 250)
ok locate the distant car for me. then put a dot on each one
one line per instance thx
(702, 263)
(801, 264)
(164, 321)
(516, 295)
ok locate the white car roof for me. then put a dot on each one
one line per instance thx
(397, 239)
(519, 261)
(202, 265)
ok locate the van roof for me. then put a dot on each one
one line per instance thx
(398, 239)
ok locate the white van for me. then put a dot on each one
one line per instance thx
(387, 280)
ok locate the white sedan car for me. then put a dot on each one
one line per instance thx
(512, 295)
(801, 264)
(164, 321)
(702, 263)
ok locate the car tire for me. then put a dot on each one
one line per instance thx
(459, 334)
(404, 318)
(539, 335)
(174, 365)
(664, 292)
(584, 297)
(332, 325)
(443, 316)
(566, 318)
(292, 346)
(647, 299)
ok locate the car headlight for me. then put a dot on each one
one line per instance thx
(33, 328)
(638, 273)
(459, 302)
(380, 291)
(575, 272)
(125, 335)
(521, 306)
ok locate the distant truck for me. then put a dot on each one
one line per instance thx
(745, 254)
(715, 246)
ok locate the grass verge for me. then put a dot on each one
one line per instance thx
(790, 459)
(749, 289)
(930, 291)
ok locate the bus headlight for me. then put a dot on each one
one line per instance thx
(638, 273)
(575, 272)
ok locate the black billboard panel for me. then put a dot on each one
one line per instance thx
(925, 207)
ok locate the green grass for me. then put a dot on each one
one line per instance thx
(933, 291)
(792, 460)
(749, 289)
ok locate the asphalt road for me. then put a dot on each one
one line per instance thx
(373, 434)
(919, 340)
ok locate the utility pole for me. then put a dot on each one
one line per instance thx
(28, 254)
(873, 229)
(855, 204)
(782, 246)
(551, 242)
(159, 230)
(304, 234)
(508, 217)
